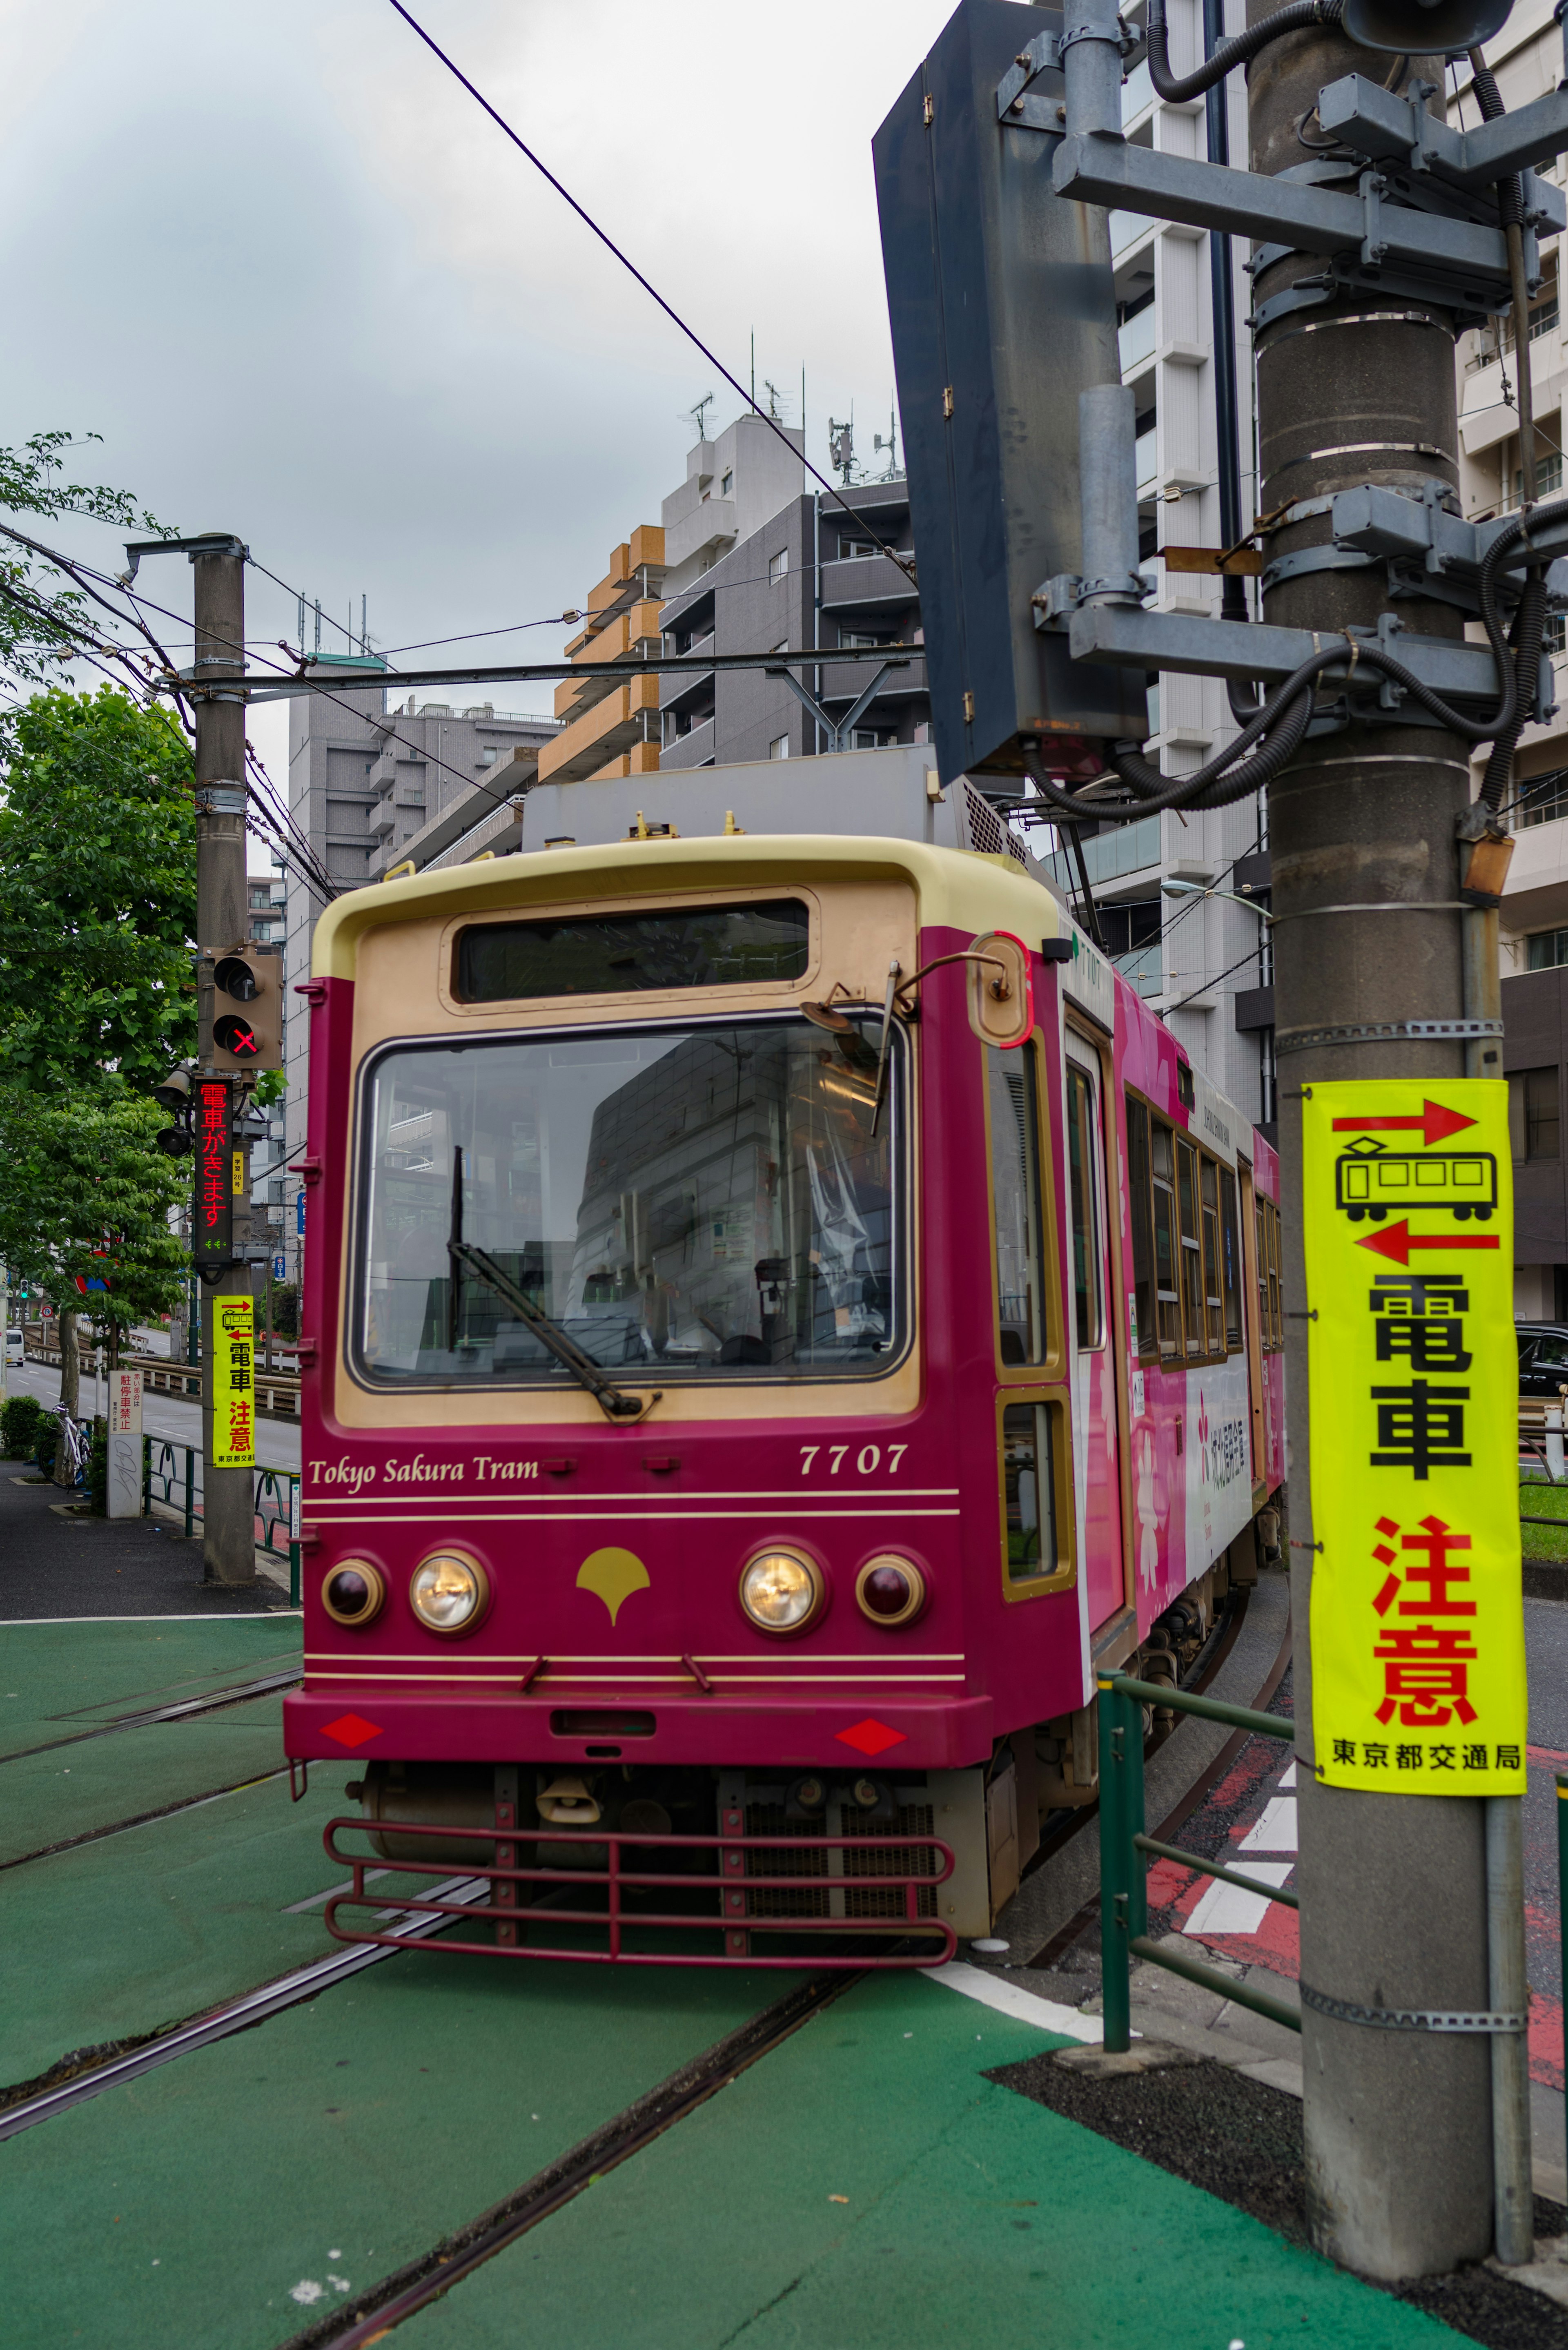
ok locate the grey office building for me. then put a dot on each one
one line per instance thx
(756, 563)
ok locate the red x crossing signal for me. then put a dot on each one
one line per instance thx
(247, 1009)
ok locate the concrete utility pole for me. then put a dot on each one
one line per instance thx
(222, 922)
(1394, 1888)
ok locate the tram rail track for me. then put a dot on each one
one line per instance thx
(179, 1709)
(410, 2288)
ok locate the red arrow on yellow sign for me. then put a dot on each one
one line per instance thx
(1399, 1240)
(1434, 1125)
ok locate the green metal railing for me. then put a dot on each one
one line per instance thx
(1124, 1890)
(277, 1499)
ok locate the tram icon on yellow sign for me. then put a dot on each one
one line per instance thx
(1370, 1180)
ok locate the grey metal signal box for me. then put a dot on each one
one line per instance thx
(1003, 309)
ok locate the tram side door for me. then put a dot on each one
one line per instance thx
(1096, 1441)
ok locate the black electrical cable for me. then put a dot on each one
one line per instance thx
(904, 563)
(1178, 87)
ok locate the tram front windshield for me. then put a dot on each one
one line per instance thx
(707, 1201)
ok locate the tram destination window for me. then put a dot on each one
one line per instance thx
(1015, 1191)
(613, 954)
(701, 1203)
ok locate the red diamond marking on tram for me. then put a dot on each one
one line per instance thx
(351, 1730)
(870, 1737)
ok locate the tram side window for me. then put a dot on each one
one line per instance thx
(1086, 1237)
(1276, 1314)
(1029, 1485)
(1230, 1260)
(1271, 1319)
(1192, 1248)
(1142, 1224)
(1012, 1082)
(1167, 1302)
(1214, 1307)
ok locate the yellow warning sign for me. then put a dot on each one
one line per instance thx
(1417, 1616)
(234, 1383)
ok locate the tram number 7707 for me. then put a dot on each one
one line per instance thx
(1370, 1179)
(867, 1460)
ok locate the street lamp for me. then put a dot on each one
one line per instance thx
(1197, 889)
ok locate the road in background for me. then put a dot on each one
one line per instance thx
(170, 1417)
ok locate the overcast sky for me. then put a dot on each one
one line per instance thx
(307, 292)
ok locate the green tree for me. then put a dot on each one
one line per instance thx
(86, 1195)
(45, 619)
(98, 892)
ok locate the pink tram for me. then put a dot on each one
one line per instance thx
(780, 1311)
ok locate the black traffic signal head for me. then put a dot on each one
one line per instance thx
(247, 1009)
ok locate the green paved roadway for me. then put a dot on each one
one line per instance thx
(972, 2217)
(236, 2193)
(211, 2201)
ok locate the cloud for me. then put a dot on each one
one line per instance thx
(308, 292)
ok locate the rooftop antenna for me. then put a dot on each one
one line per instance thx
(777, 402)
(891, 443)
(699, 415)
(841, 447)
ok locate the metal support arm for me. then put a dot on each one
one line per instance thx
(837, 735)
(1462, 673)
(1374, 122)
(1133, 179)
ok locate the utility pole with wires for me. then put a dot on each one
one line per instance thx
(226, 1040)
(223, 922)
(1394, 1888)
(1359, 700)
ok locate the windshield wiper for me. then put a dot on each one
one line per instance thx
(613, 1401)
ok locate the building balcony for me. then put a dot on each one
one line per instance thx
(624, 716)
(693, 750)
(710, 526)
(866, 583)
(847, 681)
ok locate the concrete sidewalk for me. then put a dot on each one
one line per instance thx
(54, 1563)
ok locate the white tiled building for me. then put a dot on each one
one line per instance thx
(1202, 961)
(1527, 60)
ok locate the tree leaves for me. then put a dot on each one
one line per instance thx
(97, 891)
(78, 1171)
(42, 620)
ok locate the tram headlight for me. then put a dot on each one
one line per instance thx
(891, 1590)
(448, 1593)
(353, 1591)
(782, 1591)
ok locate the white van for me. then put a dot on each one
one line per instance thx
(15, 1350)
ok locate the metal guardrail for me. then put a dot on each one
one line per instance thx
(1124, 1886)
(276, 1500)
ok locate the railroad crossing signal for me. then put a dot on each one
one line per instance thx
(247, 1009)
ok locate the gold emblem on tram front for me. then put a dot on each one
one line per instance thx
(613, 1576)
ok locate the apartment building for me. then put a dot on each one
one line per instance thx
(758, 563)
(1527, 60)
(610, 727)
(1202, 961)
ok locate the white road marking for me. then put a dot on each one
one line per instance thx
(1226, 1909)
(1012, 1999)
(1287, 1775)
(1276, 1831)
